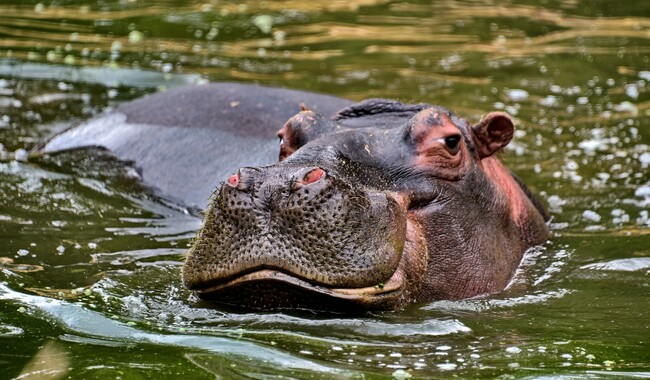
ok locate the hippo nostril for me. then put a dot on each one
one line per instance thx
(313, 176)
(233, 180)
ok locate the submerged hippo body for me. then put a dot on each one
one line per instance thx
(186, 140)
(371, 207)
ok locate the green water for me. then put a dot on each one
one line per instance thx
(90, 261)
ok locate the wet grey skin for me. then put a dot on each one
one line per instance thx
(186, 140)
(382, 205)
(371, 206)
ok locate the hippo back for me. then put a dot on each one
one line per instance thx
(187, 140)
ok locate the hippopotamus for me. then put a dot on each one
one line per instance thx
(360, 206)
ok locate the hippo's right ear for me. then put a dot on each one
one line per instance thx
(492, 133)
(301, 129)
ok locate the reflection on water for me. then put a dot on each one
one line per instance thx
(50, 362)
(262, 41)
(90, 260)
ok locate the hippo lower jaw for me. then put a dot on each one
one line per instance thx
(272, 288)
(276, 278)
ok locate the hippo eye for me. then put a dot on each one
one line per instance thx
(452, 143)
(281, 141)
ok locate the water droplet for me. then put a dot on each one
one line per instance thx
(517, 95)
(135, 37)
(401, 374)
(642, 191)
(212, 34)
(549, 101)
(51, 55)
(632, 90)
(591, 216)
(644, 159)
(626, 107)
(513, 350)
(264, 23)
(447, 366)
(21, 155)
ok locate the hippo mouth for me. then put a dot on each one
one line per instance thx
(277, 288)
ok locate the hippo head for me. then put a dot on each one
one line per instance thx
(385, 204)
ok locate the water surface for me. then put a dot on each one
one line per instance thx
(90, 260)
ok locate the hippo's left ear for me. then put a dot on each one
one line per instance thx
(301, 129)
(492, 133)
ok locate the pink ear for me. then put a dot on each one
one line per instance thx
(302, 128)
(287, 141)
(493, 133)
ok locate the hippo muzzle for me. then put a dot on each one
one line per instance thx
(298, 236)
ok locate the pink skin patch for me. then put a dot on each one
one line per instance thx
(233, 180)
(429, 130)
(313, 176)
(517, 201)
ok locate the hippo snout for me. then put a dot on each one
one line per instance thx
(296, 224)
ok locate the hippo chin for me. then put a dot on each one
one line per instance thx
(381, 205)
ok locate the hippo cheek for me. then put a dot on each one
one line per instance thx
(469, 254)
(320, 244)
